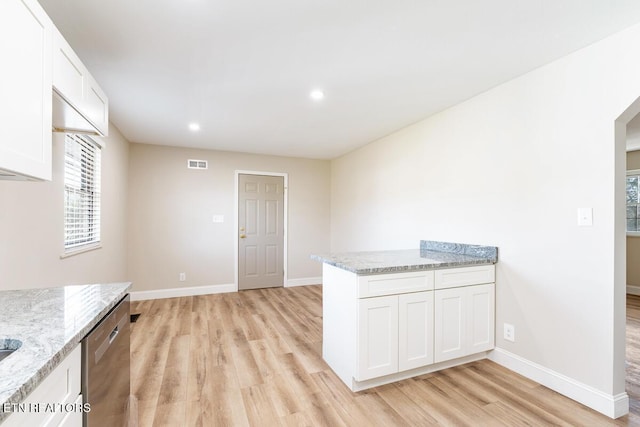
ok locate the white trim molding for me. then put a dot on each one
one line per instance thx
(633, 289)
(305, 281)
(613, 406)
(183, 292)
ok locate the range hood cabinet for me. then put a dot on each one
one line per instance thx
(69, 120)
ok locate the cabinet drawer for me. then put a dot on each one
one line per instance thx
(394, 283)
(464, 276)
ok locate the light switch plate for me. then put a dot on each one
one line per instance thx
(585, 217)
(218, 218)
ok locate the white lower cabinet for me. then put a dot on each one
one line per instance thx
(415, 328)
(74, 418)
(56, 401)
(395, 334)
(377, 337)
(383, 328)
(464, 321)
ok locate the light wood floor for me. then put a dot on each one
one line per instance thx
(254, 358)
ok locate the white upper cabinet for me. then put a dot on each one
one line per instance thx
(35, 60)
(79, 104)
(25, 90)
(97, 106)
(69, 75)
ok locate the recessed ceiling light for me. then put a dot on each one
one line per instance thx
(317, 95)
(194, 127)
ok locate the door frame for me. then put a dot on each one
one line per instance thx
(619, 311)
(285, 208)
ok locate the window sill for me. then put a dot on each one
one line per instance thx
(633, 233)
(81, 250)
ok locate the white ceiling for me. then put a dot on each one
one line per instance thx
(244, 69)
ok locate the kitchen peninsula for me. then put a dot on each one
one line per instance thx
(391, 315)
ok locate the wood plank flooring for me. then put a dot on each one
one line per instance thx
(254, 358)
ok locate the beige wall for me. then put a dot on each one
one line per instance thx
(171, 208)
(633, 242)
(510, 168)
(31, 226)
(633, 160)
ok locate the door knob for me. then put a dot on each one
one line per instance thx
(242, 236)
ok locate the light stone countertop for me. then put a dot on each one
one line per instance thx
(50, 322)
(398, 261)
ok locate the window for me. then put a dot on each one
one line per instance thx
(633, 202)
(81, 193)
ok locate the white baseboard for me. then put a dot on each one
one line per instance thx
(633, 289)
(387, 379)
(304, 281)
(210, 289)
(613, 406)
(183, 292)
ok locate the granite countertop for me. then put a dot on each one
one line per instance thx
(431, 255)
(50, 322)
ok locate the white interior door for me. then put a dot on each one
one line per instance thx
(261, 231)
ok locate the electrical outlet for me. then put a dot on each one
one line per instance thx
(585, 217)
(509, 332)
(183, 277)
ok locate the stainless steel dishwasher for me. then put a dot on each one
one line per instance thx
(106, 369)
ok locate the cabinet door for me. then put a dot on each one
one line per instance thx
(450, 324)
(480, 318)
(73, 418)
(86, 106)
(25, 88)
(69, 74)
(464, 321)
(415, 330)
(61, 386)
(377, 347)
(97, 106)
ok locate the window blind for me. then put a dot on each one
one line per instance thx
(81, 192)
